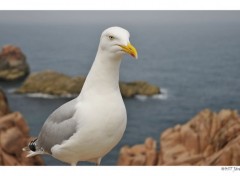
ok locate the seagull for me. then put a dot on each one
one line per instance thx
(89, 126)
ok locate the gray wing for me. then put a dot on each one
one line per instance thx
(58, 127)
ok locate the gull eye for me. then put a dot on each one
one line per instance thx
(110, 37)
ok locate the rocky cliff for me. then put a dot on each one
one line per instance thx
(13, 64)
(209, 138)
(54, 83)
(14, 135)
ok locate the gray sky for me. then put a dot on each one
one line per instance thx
(75, 17)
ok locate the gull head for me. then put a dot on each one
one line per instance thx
(115, 40)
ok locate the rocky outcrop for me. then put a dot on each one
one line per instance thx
(54, 83)
(14, 135)
(13, 64)
(140, 154)
(208, 139)
(4, 108)
(138, 88)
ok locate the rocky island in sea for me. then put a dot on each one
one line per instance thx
(13, 63)
(58, 84)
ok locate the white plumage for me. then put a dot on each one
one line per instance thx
(89, 126)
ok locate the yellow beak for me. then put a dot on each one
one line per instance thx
(130, 49)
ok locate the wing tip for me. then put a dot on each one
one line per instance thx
(32, 150)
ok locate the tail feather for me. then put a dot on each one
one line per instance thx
(32, 149)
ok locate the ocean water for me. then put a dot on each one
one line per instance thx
(196, 64)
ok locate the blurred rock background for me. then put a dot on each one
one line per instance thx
(14, 135)
(209, 138)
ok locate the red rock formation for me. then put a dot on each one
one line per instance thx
(4, 109)
(13, 63)
(208, 139)
(14, 135)
(11, 50)
(140, 154)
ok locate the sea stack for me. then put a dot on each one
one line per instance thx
(13, 63)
